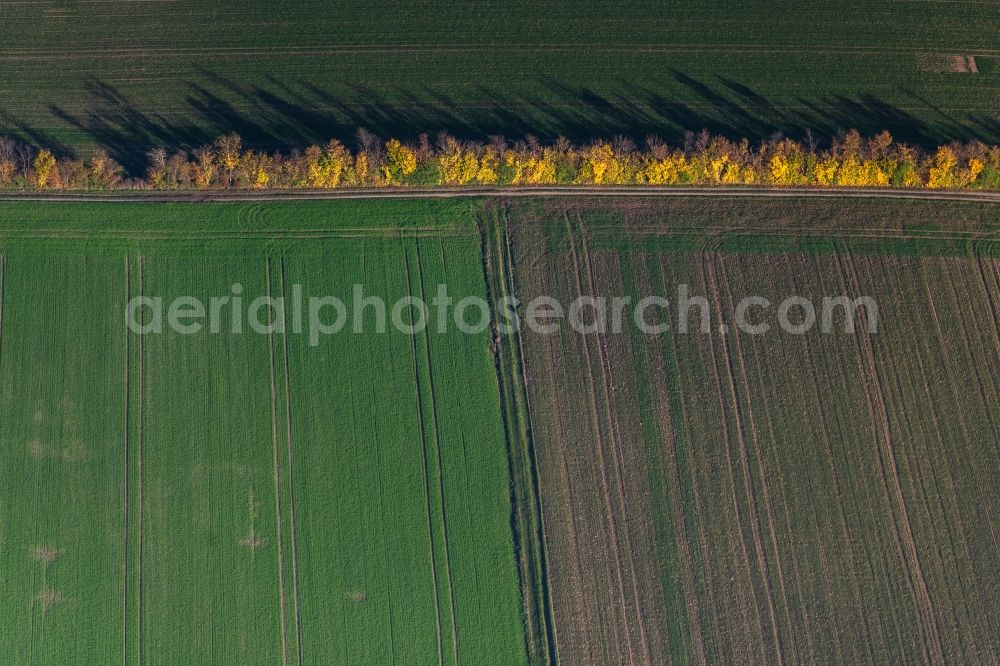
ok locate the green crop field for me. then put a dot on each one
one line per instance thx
(449, 497)
(129, 75)
(735, 498)
(267, 500)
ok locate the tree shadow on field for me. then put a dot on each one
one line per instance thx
(290, 114)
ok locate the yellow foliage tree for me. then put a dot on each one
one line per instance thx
(228, 151)
(361, 168)
(326, 168)
(664, 171)
(204, 168)
(781, 171)
(402, 161)
(457, 165)
(488, 165)
(825, 172)
(539, 170)
(942, 171)
(596, 162)
(974, 168)
(44, 165)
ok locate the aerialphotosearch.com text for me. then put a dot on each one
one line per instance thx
(317, 317)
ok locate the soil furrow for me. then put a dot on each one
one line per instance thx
(748, 483)
(602, 458)
(618, 450)
(890, 473)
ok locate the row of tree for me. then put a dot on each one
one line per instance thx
(850, 160)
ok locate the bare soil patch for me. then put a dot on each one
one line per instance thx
(46, 555)
(941, 63)
(48, 598)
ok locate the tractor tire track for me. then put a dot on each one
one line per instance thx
(568, 502)
(755, 435)
(505, 258)
(599, 442)
(698, 500)
(737, 514)
(440, 464)
(127, 401)
(3, 275)
(289, 444)
(906, 541)
(740, 429)
(425, 470)
(139, 474)
(277, 481)
(617, 450)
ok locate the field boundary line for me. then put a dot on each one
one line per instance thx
(128, 297)
(890, 474)
(497, 258)
(617, 448)
(440, 465)
(521, 371)
(595, 418)
(424, 469)
(222, 235)
(3, 275)
(357, 48)
(277, 479)
(291, 481)
(514, 192)
(139, 473)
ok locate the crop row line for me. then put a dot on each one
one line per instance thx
(291, 481)
(277, 482)
(139, 475)
(440, 463)
(128, 398)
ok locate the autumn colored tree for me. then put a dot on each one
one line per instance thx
(8, 163)
(44, 165)
(850, 160)
(228, 155)
(401, 162)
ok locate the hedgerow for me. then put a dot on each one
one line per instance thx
(849, 160)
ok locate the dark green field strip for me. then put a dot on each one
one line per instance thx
(62, 425)
(181, 72)
(385, 23)
(222, 219)
(906, 228)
